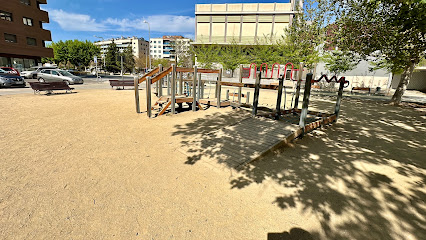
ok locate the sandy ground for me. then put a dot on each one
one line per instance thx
(86, 166)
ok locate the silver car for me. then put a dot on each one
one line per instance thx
(58, 75)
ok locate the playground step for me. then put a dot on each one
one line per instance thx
(240, 143)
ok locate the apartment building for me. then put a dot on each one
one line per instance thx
(169, 47)
(243, 23)
(139, 45)
(22, 37)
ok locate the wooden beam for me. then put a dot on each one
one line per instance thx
(143, 78)
(219, 80)
(165, 108)
(299, 82)
(240, 79)
(161, 75)
(194, 90)
(138, 108)
(148, 96)
(173, 89)
(232, 84)
(339, 97)
(256, 94)
(306, 95)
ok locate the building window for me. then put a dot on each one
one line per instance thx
(27, 21)
(26, 2)
(10, 38)
(6, 16)
(31, 41)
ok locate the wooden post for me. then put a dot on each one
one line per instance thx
(200, 87)
(219, 80)
(180, 83)
(299, 82)
(240, 80)
(168, 84)
(148, 96)
(136, 81)
(173, 89)
(305, 106)
(279, 97)
(248, 98)
(339, 98)
(160, 82)
(227, 95)
(256, 93)
(194, 90)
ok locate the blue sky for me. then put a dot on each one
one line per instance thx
(82, 19)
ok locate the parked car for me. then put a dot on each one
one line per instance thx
(58, 75)
(33, 73)
(9, 80)
(11, 70)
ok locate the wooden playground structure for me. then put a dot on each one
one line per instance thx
(282, 125)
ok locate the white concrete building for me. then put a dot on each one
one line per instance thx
(168, 47)
(139, 45)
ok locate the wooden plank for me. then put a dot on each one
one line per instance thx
(143, 78)
(161, 75)
(184, 100)
(165, 108)
(191, 70)
(232, 84)
(208, 70)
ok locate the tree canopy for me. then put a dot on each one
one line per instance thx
(75, 52)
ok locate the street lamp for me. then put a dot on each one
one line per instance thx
(149, 42)
(103, 55)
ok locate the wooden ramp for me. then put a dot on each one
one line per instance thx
(240, 143)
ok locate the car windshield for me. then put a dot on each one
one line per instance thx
(65, 73)
(2, 71)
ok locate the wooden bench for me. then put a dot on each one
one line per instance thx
(360, 89)
(121, 83)
(50, 86)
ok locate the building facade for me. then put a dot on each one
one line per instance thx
(22, 37)
(243, 23)
(169, 47)
(139, 45)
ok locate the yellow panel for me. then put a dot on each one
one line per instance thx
(265, 18)
(279, 29)
(234, 19)
(248, 32)
(220, 19)
(250, 7)
(249, 18)
(218, 32)
(264, 29)
(266, 7)
(203, 7)
(203, 19)
(247, 39)
(203, 29)
(235, 7)
(202, 39)
(218, 7)
(282, 18)
(233, 29)
(283, 7)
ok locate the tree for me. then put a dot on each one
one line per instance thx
(265, 51)
(341, 61)
(184, 55)
(141, 62)
(207, 54)
(164, 62)
(393, 30)
(111, 63)
(128, 59)
(75, 52)
(232, 55)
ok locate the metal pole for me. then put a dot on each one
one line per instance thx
(248, 98)
(160, 82)
(180, 84)
(241, 80)
(138, 108)
(256, 93)
(201, 93)
(219, 80)
(279, 97)
(339, 97)
(173, 89)
(227, 95)
(168, 84)
(199, 96)
(148, 96)
(194, 90)
(299, 82)
(122, 68)
(305, 106)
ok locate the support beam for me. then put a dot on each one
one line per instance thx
(168, 84)
(339, 97)
(248, 98)
(138, 108)
(180, 83)
(240, 81)
(173, 89)
(200, 92)
(299, 82)
(148, 96)
(256, 93)
(194, 90)
(219, 80)
(160, 82)
(279, 97)
(306, 95)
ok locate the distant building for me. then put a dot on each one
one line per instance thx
(22, 43)
(169, 47)
(139, 45)
(243, 23)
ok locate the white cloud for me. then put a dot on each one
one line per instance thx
(76, 22)
(158, 23)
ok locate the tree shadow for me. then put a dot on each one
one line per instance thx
(364, 177)
(293, 234)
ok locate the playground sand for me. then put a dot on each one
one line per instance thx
(86, 166)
